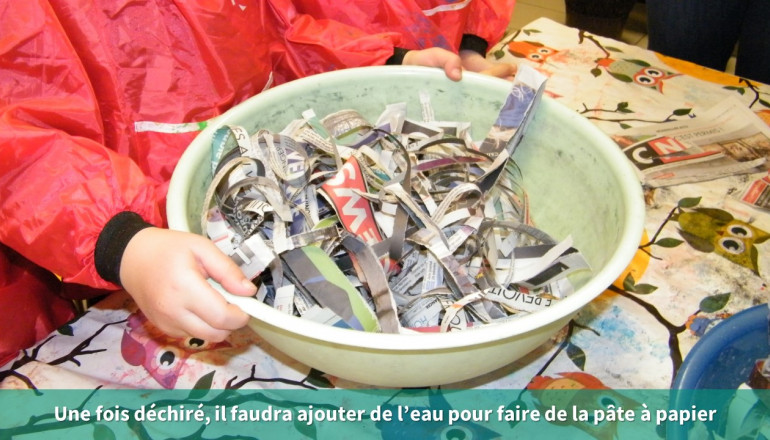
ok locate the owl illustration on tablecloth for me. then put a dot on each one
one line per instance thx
(636, 71)
(716, 230)
(699, 325)
(582, 391)
(531, 50)
(161, 355)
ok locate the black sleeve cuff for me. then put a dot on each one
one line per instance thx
(474, 43)
(398, 56)
(112, 242)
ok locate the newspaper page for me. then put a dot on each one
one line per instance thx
(728, 139)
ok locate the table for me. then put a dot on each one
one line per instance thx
(635, 335)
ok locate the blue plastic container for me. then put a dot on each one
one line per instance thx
(721, 360)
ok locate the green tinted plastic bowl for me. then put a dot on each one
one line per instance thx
(578, 182)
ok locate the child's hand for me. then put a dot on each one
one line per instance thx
(454, 64)
(436, 57)
(165, 272)
(475, 62)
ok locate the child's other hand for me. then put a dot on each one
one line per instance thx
(454, 64)
(436, 57)
(475, 62)
(166, 273)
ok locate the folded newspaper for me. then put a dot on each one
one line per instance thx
(728, 139)
(395, 225)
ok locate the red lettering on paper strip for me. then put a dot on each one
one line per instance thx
(354, 211)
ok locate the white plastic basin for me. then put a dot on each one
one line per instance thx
(578, 182)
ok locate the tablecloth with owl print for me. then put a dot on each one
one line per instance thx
(705, 256)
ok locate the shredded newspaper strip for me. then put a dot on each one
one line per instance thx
(395, 226)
